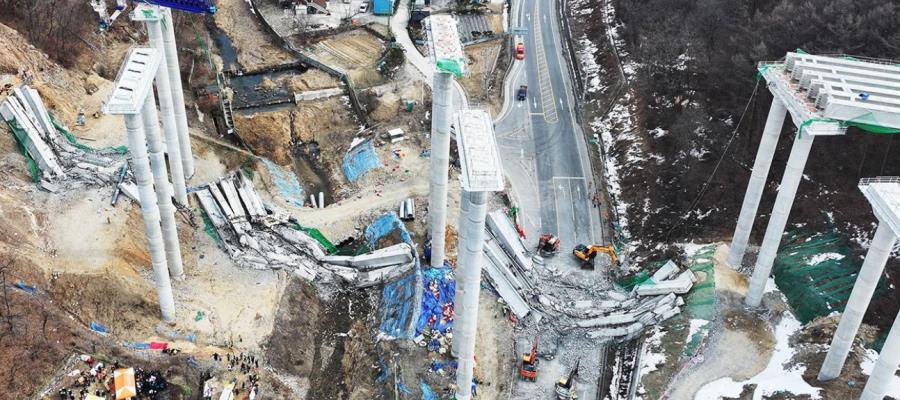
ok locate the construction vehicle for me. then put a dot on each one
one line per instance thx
(528, 369)
(587, 254)
(565, 387)
(548, 245)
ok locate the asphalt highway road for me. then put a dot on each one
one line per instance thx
(544, 152)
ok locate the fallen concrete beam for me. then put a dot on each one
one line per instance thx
(495, 253)
(665, 272)
(680, 285)
(301, 240)
(613, 319)
(500, 275)
(249, 196)
(234, 200)
(502, 229)
(36, 146)
(393, 255)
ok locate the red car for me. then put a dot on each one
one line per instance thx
(520, 51)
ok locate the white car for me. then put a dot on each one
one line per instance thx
(364, 7)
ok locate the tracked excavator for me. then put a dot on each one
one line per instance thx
(528, 369)
(586, 254)
(565, 387)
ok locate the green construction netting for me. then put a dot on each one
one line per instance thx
(22, 141)
(630, 282)
(208, 226)
(330, 248)
(872, 128)
(451, 66)
(816, 272)
(700, 302)
(74, 141)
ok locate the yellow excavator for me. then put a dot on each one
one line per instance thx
(587, 254)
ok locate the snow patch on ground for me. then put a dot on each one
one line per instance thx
(777, 377)
(587, 57)
(696, 326)
(868, 363)
(653, 354)
(820, 258)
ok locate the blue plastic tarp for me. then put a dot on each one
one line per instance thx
(398, 298)
(99, 328)
(360, 160)
(25, 288)
(427, 393)
(437, 300)
(397, 306)
(383, 226)
(286, 181)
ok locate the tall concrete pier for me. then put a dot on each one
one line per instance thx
(883, 194)
(481, 174)
(824, 96)
(133, 98)
(449, 61)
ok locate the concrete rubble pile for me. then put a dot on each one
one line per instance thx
(261, 237)
(56, 157)
(612, 313)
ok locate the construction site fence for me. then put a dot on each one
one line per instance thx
(361, 114)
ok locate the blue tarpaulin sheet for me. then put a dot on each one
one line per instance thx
(398, 298)
(398, 301)
(286, 182)
(427, 393)
(383, 226)
(25, 288)
(437, 300)
(99, 328)
(360, 160)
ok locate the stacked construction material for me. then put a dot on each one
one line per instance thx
(53, 153)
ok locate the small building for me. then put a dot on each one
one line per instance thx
(306, 6)
(383, 7)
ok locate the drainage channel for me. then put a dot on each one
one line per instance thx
(313, 178)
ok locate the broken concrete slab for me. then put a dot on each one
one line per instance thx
(680, 285)
(665, 272)
(397, 254)
(130, 190)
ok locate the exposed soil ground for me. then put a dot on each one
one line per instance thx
(272, 134)
(326, 343)
(255, 48)
(355, 52)
(484, 77)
